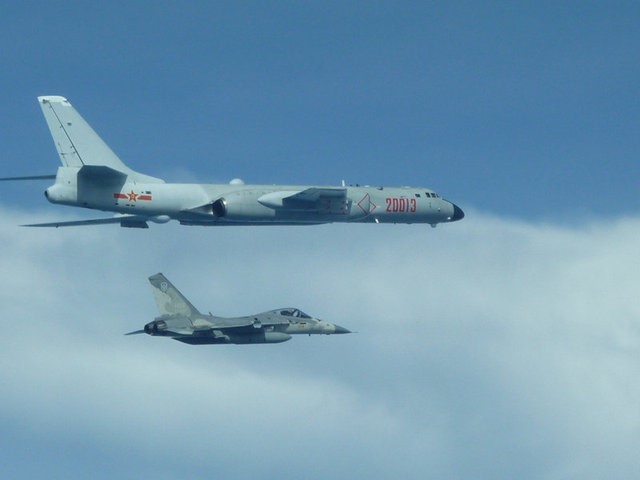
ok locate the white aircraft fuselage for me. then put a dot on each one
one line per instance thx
(233, 204)
(92, 176)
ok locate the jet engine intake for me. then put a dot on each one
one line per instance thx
(219, 207)
(236, 206)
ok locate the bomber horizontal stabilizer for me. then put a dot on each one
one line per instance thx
(32, 177)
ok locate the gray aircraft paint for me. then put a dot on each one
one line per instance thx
(180, 320)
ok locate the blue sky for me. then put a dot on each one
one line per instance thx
(502, 346)
(524, 109)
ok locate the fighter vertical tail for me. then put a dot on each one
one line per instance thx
(169, 299)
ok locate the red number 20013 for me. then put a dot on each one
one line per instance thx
(395, 204)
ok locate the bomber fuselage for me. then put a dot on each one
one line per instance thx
(238, 204)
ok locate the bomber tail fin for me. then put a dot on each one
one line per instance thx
(78, 145)
(169, 299)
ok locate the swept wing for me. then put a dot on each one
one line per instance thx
(325, 200)
(131, 221)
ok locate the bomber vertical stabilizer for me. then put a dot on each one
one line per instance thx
(78, 145)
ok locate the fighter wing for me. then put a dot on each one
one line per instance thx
(238, 329)
(246, 325)
(326, 200)
(130, 221)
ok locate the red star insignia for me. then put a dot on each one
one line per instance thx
(133, 196)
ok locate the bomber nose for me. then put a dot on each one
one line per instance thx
(340, 329)
(458, 214)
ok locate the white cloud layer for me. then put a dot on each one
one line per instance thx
(491, 348)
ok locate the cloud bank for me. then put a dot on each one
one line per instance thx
(492, 348)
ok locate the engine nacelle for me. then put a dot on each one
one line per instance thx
(240, 206)
(219, 208)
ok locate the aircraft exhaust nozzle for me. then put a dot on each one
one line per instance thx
(153, 328)
(57, 193)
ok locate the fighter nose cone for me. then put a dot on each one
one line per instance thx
(340, 329)
(458, 214)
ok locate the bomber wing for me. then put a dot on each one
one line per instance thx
(324, 200)
(130, 221)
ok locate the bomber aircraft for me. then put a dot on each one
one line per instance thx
(92, 176)
(180, 320)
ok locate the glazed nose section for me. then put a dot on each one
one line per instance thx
(458, 214)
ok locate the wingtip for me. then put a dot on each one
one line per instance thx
(29, 177)
(31, 225)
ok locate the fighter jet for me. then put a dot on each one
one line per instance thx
(92, 176)
(180, 320)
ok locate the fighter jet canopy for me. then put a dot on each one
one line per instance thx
(293, 312)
